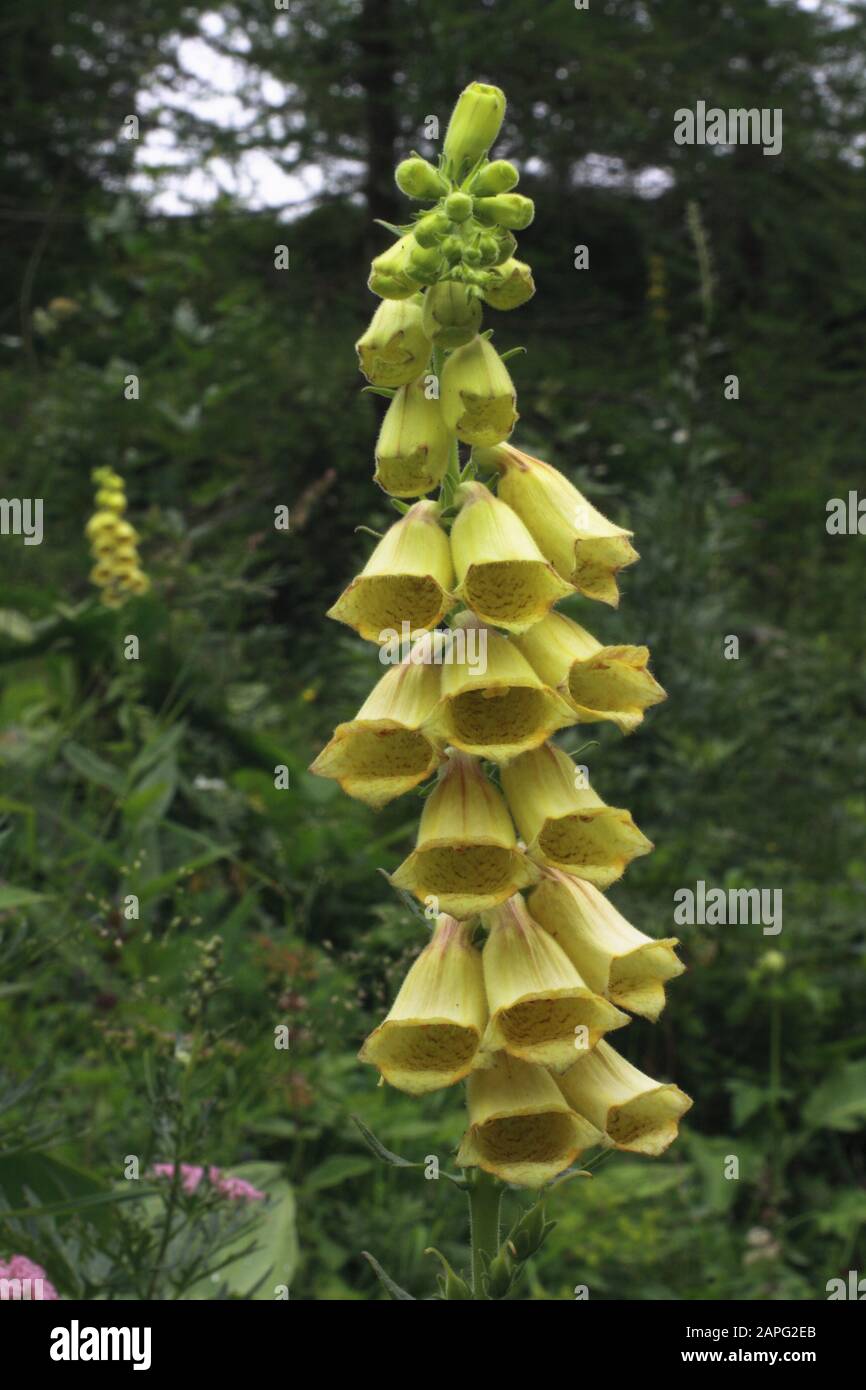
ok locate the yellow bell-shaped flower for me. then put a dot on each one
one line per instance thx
(394, 349)
(496, 708)
(407, 579)
(414, 443)
(614, 958)
(479, 401)
(540, 1008)
(634, 1111)
(521, 1128)
(599, 682)
(431, 1035)
(382, 752)
(466, 856)
(501, 574)
(585, 548)
(564, 822)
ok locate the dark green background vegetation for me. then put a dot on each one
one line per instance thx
(155, 777)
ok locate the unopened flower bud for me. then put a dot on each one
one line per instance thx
(418, 179)
(475, 123)
(458, 206)
(394, 350)
(507, 244)
(452, 249)
(389, 273)
(498, 177)
(505, 210)
(430, 229)
(451, 317)
(478, 396)
(510, 285)
(426, 264)
(488, 250)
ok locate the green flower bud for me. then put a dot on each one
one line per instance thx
(500, 1274)
(488, 249)
(451, 316)
(418, 179)
(429, 230)
(509, 285)
(471, 255)
(506, 210)
(498, 177)
(475, 123)
(451, 1285)
(452, 249)
(426, 264)
(507, 244)
(529, 1232)
(414, 444)
(389, 277)
(458, 206)
(478, 396)
(394, 349)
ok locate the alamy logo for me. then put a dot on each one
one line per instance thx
(76, 1343)
(25, 1289)
(458, 646)
(855, 1288)
(715, 906)
(22, 516)
(736, 126)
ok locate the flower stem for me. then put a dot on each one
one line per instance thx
(485, 1196)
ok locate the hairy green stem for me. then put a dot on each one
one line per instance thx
(485, 1196)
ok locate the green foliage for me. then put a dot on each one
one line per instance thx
(154, 779)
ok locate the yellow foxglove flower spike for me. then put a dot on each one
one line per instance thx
(394, 349)
(501, 574)
(479, 401)
(565, 823)
(585, 548)
(466, 854)
(540, 1008)
(635, 1112)
(382, 752)
(431, 1035)
(521, 1128)
(414, 443)
(614, 958)
(599, 682)
(113, 543)
(496, 708)
(407, 578)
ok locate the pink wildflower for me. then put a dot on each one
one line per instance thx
(21, 1278)
(191, 1176)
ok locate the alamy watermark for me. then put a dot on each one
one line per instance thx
(736, 126)
(458, 646)
(22, 516)
(719, 906)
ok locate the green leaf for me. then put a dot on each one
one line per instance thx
(336, 1169)
(393, 1290)
(94, 768)
(385, 1155)
(840, 1103)
(18, 897)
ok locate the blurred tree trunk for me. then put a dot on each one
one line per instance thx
(376, 40)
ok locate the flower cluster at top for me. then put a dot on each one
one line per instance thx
(513, 842)
(113, 543)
